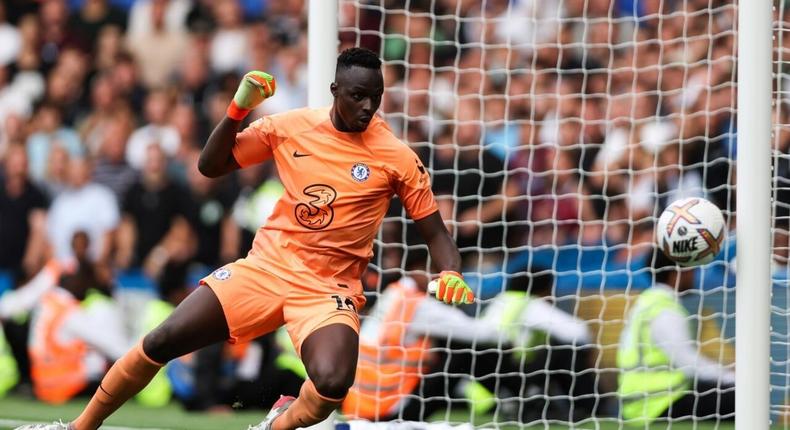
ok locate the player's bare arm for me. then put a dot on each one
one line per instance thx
(217, 156)
(451, 286)
(444, 253)
(216, 159)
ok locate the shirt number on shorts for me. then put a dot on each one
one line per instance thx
(318, 213)
(345, 304)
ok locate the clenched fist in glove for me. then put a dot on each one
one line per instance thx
(254, 88)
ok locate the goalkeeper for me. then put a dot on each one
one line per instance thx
(340, 166)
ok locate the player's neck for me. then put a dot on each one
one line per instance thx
(338, 123)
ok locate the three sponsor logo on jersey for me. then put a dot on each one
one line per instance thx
(317, 213)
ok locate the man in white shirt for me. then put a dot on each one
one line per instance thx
(84, 206)
(156, 131)
(434, 351)
(410, 361)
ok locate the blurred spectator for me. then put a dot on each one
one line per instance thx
(16, 9)
(553, 347)
(17, 304)
(159, 50)
(209, 210)
(216, 106)
(157, 130)
(50, 131)
(781, 145)
(65, 84)
(104, 107)
(28, 81)
(259, 191)
(191, 136)
(399, 375)
(473, 176)
(229, 43)
(30, 33)
(108, 46)
(626, 109)
(92, 16)
(289, 68)
(73, 340)
(192, 78)
(12, 133)
(23, 212)
(526, 25)
(501, 134)
(154, 232)
(56, 177)
(16, 99)
(111, 168)
(201, 17)
(127, 85)
(663, 372)
(358, 21)
(10, 39)
(141, 17)
(286, 19)
(55, 35)
(83, 206)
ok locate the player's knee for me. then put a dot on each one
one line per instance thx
(332, 382)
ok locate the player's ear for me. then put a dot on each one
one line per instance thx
(333, 89)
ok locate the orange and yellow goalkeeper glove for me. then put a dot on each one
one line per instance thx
(254, 88)
(452, 289)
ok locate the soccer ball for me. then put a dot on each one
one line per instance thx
(690, 231)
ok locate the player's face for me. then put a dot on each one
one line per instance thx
(357, 93)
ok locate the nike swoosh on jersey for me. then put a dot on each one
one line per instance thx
(298, 155)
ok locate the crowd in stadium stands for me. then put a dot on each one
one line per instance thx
(552, 130)
(586, 114)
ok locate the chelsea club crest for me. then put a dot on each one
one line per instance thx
(360, 172)
(221, 274)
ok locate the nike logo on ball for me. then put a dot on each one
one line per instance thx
(297, 155)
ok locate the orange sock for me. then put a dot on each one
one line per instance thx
(309, 408)
(125, 378)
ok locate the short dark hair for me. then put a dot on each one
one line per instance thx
(361, 57)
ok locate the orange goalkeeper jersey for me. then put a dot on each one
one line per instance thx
(338, 187)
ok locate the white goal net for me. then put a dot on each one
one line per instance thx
(555, 132)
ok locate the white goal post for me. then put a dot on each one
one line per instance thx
(754, 224)
(321, 50)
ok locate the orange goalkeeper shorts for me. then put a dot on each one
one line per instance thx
(256, 302)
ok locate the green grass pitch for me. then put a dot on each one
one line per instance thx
(16, 411)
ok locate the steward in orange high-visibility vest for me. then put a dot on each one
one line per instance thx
(391, 363)
(57, 366)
